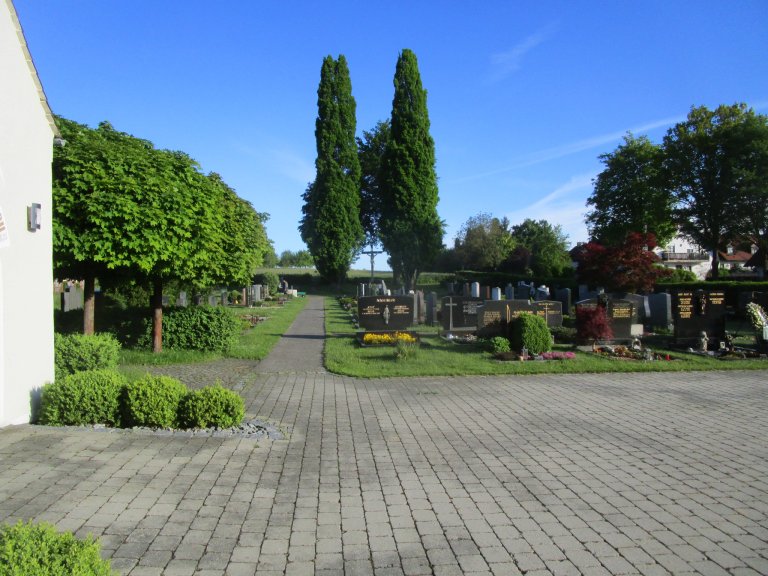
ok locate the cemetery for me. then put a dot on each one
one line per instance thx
(468, 327)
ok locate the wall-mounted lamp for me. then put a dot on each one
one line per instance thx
(34, 216)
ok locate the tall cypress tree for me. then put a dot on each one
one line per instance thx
(330, 225)
(411, 230)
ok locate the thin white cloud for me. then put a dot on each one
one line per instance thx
(564, 150)
(564, 206)
(284, 162)
(505, 63)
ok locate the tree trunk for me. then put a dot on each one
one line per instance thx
(157, 316)
(715, 265)
(89, 304)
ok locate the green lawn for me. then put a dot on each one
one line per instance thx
(437, 357)
(254, 343)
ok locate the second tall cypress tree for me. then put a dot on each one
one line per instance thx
(411, 230)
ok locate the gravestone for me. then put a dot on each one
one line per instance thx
(661, 310)
(496, 294)
(509, 292)
(542, 293)
(641, 308)
(431, 301)
(694, 312)
(213, 299)
(181, 301)
(420, 308)
(551, 311)
(475, 290)
(383, 313)
(224, 298)
(493, 318)
(361, 290)
(460, 313)
(563, 295)
(72, 299)
(585, 293)
(619, 315)
(525, 290)
(166, 300)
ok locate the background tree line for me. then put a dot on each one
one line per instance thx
(708, 179)
(125, 212)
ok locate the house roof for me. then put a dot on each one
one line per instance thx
(737, 256)
(31, 65)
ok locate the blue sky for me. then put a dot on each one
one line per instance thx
(523, 96)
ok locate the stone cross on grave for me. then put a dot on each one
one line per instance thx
(450, 306)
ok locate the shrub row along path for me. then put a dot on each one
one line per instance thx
(557, 474)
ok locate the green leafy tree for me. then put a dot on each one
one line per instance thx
(370, 149)
(125, 209)
(630, 194)
(330, 225)
(411, 230)
(483, 243)
(750, 137)
(706, 159)
(547, 245)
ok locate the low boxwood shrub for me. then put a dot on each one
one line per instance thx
(90, 397)
(497, 345)
(79, 352)
(38, 549)
(205, 328)
(211, 407)
(530, 331)
(153, 401)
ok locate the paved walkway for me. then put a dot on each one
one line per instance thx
(563, 474)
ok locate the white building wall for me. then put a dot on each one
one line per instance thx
(26, 304)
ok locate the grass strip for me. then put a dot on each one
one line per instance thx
(254, 343)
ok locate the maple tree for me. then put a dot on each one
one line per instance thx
(627, 267)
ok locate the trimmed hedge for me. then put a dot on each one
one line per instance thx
(205, 328)
(91, 397)
(212, 406)
(531, 332)
(80, 352)
(38, 549)
(153, 401)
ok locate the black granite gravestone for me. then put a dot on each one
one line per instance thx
(460, 313)
(551, 311)
(381, 313)
(694, 312)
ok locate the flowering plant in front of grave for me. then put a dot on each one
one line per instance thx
(558, 355)
(388, 338)
(757, 317)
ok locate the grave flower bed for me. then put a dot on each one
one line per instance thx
(386, 338)
(620, 352)
(554, 356)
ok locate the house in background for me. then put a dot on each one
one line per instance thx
(683, 254)
(27, 131)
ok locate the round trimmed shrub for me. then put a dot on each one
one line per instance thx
(205, 328)
(91, 397)
(80, 352)
(530, 331)
(212, 407)
(153, 401)
(40, 550)
(497, 345)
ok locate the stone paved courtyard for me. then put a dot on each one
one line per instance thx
(568, 474)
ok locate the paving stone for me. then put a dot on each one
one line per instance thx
(646, 473)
